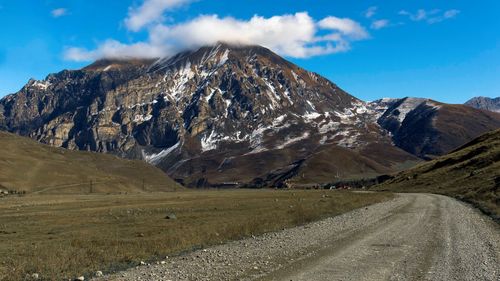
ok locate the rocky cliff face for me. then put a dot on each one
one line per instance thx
(485, 103)
(220, 115)
(67, 109)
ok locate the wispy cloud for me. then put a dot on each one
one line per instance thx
(294, 35)
(115, 49)
(430, 16)
(370, 12)
(56, 13)
(151, 11)
(418, 16)
(379, 24)
(345, 26)
(447, 15)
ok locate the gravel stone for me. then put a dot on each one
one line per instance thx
(412, 237)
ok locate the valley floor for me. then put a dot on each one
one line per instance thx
(61, 237)
(412, 237)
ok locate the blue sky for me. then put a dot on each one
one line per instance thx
(445, 50)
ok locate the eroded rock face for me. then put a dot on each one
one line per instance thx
(218, 115)
(68, 108)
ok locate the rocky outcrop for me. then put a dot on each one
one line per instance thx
(491, 104)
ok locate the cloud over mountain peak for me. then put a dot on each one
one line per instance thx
(294, 35)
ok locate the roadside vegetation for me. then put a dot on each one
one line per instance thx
(65, 236)
(470, 173)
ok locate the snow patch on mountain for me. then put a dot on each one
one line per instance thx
(224, 57)
(155, 158)
(142, 118)
(41, 85)
(407, 106)
(289, 141)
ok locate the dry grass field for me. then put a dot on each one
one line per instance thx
(64, 236)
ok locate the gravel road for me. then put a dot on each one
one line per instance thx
(412, 237)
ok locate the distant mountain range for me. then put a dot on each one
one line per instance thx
(485, 103)
(235, 116)
(427, 128)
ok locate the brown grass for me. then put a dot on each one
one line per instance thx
(26, 165)
(471, 173)
(67, 236)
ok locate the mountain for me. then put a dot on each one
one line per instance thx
(29, 166)
(427, 128)
(485, 103)
(471, 173)
(215, 116)
(229, 115)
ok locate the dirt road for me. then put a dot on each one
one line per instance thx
(413, 237)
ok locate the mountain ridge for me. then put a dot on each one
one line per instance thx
(486, 103)
(216, 115)
(428, 128)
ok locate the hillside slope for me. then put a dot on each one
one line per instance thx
(26, 165)
(428, 128)
(471, 173)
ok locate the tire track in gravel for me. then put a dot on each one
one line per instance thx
(434, 238)
(412, 237)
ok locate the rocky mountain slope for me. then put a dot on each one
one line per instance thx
(471, 173)
(26, 165)
(222, 115)
(217, 115)
(427, 128)
(485, 103)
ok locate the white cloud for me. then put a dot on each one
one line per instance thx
(56, 13)
(420, 15)
(379, 24)
(370, 12)
(446, 15)
(114, 49)
(296, 35)
(451, 13)
(345, 26)
(431, 16)
(151, 11)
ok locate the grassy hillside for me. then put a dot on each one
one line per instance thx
(26, 165)
(335, 163)
(470, 173)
